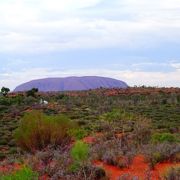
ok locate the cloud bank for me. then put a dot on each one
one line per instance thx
(43, 25)
(146, 35)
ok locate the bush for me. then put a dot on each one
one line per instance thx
(57, 164)
(2, 156)
(32, 92)
(142, 131)
(4, 91)
(172, 174)
(24, 174)
(163, 137)
(116, 152)
(176, 157)
(160, 152)
(80, 151)
(37, 131)
(117, 115)
(3, 141)
(78, 133)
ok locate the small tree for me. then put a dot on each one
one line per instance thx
(32, 92)
(79, 153)
(5, 91)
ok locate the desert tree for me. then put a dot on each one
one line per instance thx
(5, 91)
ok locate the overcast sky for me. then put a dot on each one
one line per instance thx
(137, 41)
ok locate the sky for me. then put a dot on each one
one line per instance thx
(137, 41)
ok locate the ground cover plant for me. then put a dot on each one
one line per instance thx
(96, 134)
(25, 173)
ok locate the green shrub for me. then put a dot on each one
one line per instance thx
(24, 174)
(2, 156)
(78, 133)
(5, 101)
(4, 91)
(117, 115)
(37, 130)
(12, 150)
(157, 153)
(142, 131)
(74, 167)
(80, 151)
(32, 92)
(3, 142)
(163, 137)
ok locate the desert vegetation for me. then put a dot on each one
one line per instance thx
(97, 134)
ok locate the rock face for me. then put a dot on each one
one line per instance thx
(71, 84)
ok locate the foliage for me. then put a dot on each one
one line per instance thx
(78, 133)
(163, 137)
(142, 131)
(157, 153)
(24, 174)
(113, 151)
(80, 151)
(37, 130)
(172, 174)
(117, 115)
(32, 92)
(57, 164)
(2, 156)
(5, 91)
(120, 121)
(5, 101)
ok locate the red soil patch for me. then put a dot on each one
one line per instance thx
(89, 139)
(161, 168)
(44, 177)
(10, 168)
(138, 168)
(92, 139)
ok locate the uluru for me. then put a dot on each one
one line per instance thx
(71, 84)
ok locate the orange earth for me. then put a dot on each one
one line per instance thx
(11, 167)
(92, 139)
(138, 168)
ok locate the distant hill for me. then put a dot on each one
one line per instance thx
(71, 84)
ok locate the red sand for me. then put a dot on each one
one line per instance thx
(161, 168)
(12, 167)
(91, 139)
(44, 177)
(138, 168)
